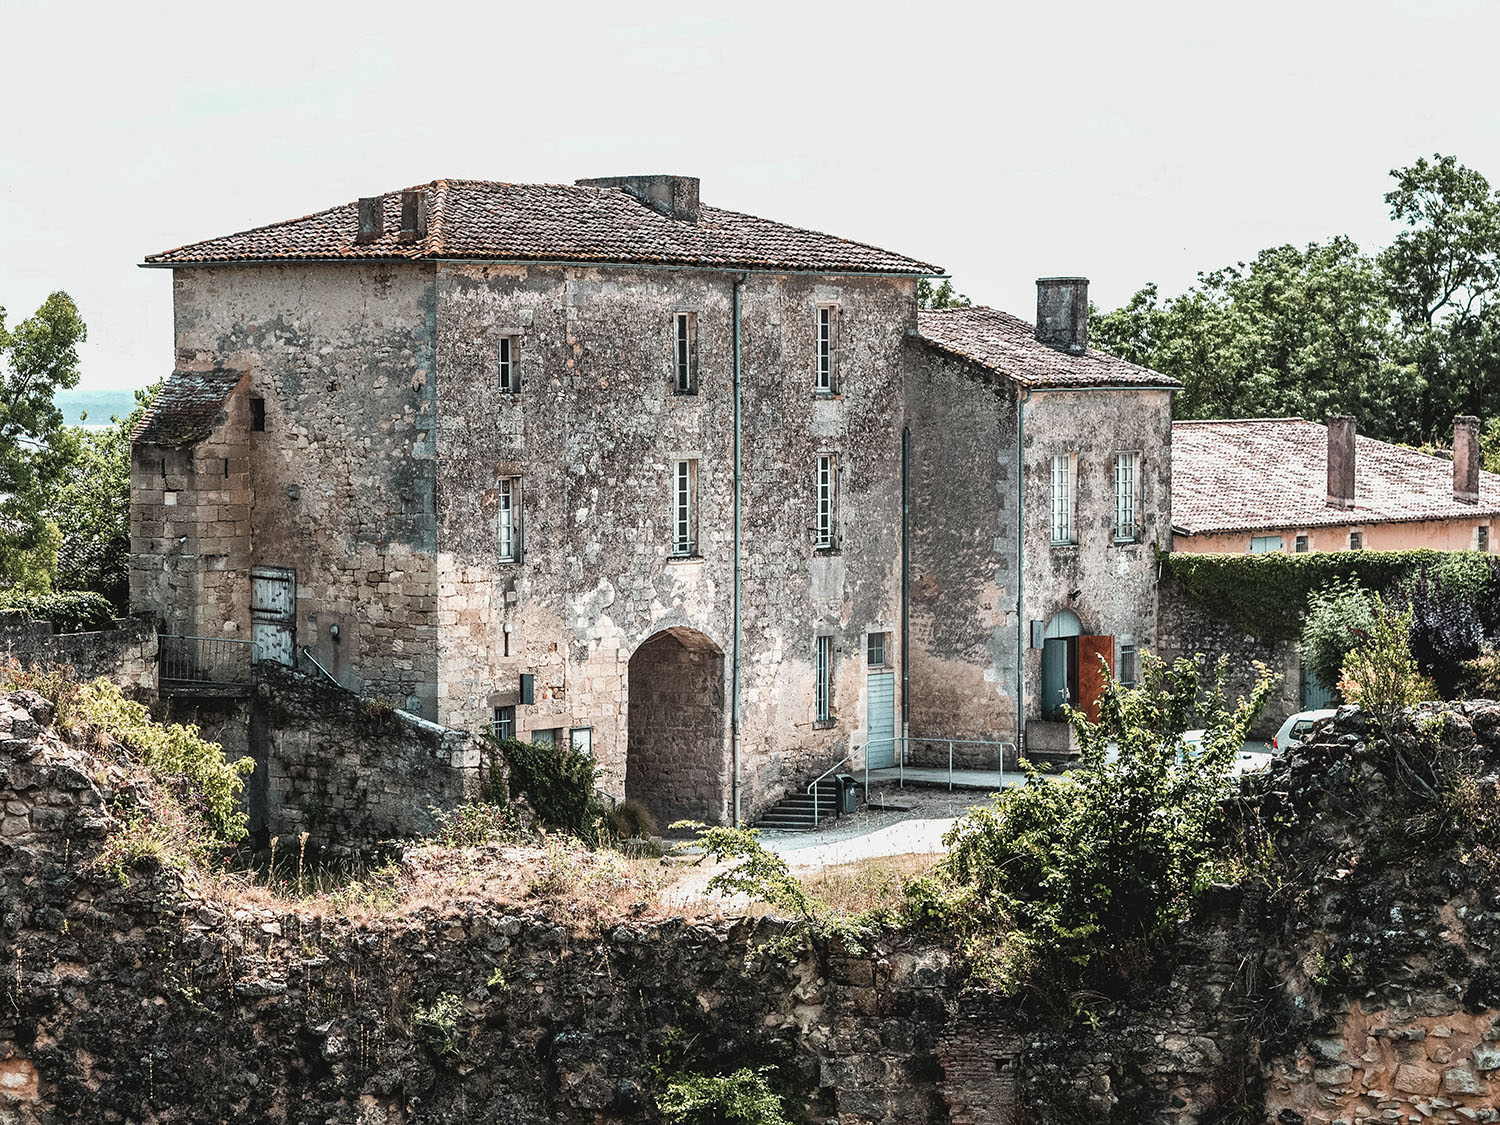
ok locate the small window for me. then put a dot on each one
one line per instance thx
(825, 531)
(1301, 544)
(544, 737)
(1128, 671)
(581, 739)
(509, 520)
(1482, 537)
(1300, 728)
(875, 650)
(510, 371)
(1126, 465)
(1062, 498)
(826, 382)
(685, 353)
(504, 725)
(1356, 541)
(685, 509)
(823, 681)
(258, 415)
(1265, 544)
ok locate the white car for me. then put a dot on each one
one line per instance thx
(1296, 727)
(1245, 761)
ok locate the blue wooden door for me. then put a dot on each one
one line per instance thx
(880, 697)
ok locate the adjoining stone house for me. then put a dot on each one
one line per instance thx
(1286, 484)
(600, 462)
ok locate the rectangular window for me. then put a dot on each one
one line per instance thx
(510, 520)
(258, 415)
(823, 687)
(824, 531)
(1062, 498)
(1482, 536)
(1127, 673)
(1301, 544)
(544, 737)
(1356, 541)
(685, 353)
(685, 509)
(828, 332)
(875, 650)
(510, 371)
(1125, 497)
(504, 725)
(581, 739)
(1264, 544)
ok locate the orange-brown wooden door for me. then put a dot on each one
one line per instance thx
(1092, 673)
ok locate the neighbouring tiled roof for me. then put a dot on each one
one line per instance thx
(549, 222)
(1008, 345)
(186, 408)
(1248, 474)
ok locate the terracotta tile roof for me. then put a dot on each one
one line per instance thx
(549, 222)
(1008, 345)
(1248, 474)
(186, 408)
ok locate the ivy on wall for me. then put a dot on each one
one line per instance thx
(1266, 595)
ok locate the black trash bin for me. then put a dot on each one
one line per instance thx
(848, 792)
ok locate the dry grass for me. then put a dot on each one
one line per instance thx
(865, 884)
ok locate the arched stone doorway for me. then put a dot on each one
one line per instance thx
(677, 761)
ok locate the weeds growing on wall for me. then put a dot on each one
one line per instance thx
(73, 611)
(557, 781)
(744, 1097)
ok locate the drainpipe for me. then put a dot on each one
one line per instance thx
(905, 586)
(734, 675)
(1021, 398)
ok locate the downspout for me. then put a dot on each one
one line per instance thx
(734, 675)
(1022, 395)
(905, 586)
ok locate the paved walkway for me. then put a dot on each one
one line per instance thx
(988, 780)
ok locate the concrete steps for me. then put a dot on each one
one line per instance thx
(794, 812)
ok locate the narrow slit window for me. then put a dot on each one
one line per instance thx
(823, 687)
(1127, 674)
(509, 520)
(1356, 541)
(504, 725)
(825, 538)
(1125, 497)
(1062, 498)
(510, 373)
(1482, 537)
(258, 415)
(685, 509)
(685, 353)
(828, 325)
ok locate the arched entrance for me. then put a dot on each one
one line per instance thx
(1060, 663)
(676, 754)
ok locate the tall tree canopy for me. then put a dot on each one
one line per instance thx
(1402, 340)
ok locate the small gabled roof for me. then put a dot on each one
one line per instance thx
(479, 219)
(187, 407)
(1248, 474)
(1008, 346)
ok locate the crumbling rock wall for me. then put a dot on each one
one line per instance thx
(124, 653)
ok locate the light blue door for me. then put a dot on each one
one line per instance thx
(880, 751)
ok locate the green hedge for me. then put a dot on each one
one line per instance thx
(75, 611)
(1266, 595)
(558, 781)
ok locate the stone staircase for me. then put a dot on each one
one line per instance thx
(794, 812)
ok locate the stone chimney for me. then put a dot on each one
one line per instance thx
(413, 215)
(676, 197)
(1062, 313)
(371, 218)
(1466, 459)
(1341, 461)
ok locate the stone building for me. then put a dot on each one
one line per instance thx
(603, 463)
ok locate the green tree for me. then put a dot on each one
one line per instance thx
(1337, 616)
(37, 357)
(942, 296)
(1443, 276)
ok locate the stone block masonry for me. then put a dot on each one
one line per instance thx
(124, 653)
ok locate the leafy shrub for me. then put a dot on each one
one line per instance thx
(436, 1024)
(1447, 627)
(78, 611)
(1335, 617)
(744, 1097)
(1066, 888)
(630, 820)
(558, 782)
(1381, 674)
(476, 823)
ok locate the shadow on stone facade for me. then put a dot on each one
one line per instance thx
(677, 763)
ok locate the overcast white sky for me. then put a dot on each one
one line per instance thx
(1130, 142)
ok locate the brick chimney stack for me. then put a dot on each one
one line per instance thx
(1466, 459)
(1341, 461)
(1062, 313)
(371, 218)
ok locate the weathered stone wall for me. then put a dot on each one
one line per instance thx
(124, 653)
(1186, 628)
(677, 765)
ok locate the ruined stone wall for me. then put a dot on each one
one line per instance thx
(1186, 628)
(594, 435)
(342, 477)
(124, 653)
(963, 567)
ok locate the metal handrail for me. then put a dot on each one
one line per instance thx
(899, 740)
(187, 659)
(313, 660)
(813, 787)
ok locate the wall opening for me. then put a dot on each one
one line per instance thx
(677, 756)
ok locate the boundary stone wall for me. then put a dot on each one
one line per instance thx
(124, 653)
